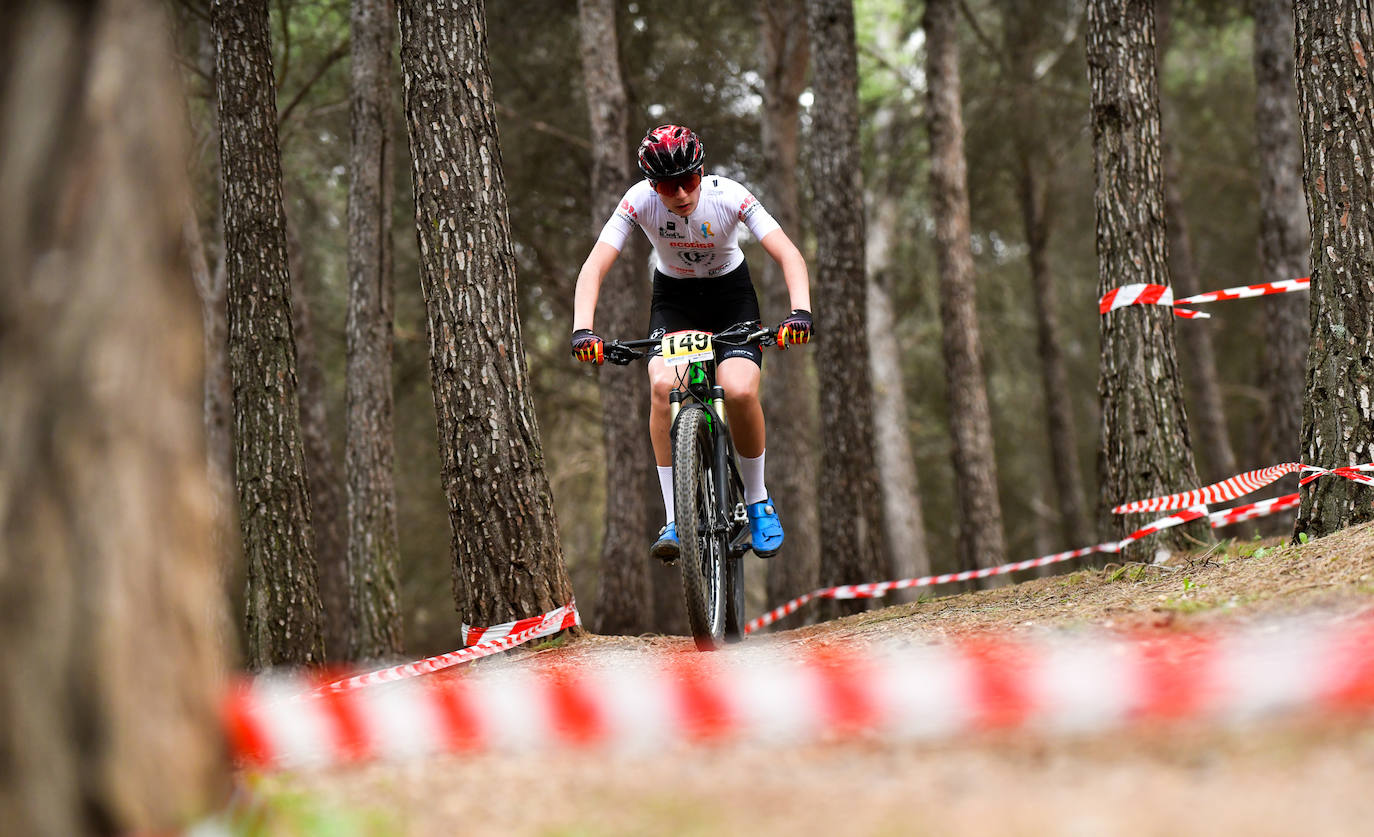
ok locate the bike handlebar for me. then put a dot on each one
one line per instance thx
(624, 352)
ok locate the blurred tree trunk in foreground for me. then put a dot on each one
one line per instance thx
(110, 672)
(1144, 446)
(1283, 234)
(1209, 412)
(283, 620)
(373, 546)
(507, 559)
(852, 534)
(789, 385)
(625, 598)
(1336, 100)
(981, 541)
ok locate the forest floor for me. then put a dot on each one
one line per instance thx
(1306, 774)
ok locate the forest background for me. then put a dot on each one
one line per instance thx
(704, 70)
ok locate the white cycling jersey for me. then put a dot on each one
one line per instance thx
(706, 243)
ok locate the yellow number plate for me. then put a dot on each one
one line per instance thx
(686, 347)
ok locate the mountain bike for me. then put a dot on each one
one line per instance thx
(712, 524)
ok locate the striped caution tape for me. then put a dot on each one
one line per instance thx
(1142, 294)
(1216, 519)
(482, 642)
(1188, 506)
(1242, 484)
(1049, 683)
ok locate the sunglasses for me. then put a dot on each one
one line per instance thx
(687, 183)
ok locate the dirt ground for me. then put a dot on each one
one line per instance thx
(1305, 775)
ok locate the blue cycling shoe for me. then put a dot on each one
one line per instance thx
(666, 547)
(765, 529)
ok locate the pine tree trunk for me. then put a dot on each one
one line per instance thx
(328, 502)
(111, 671)
(284, 619)
(625, 599)
(1283, 233)
(373, 548)
(1038, 164)
(1209, 414)
(1033, 191)
(1201, 359)
(896, 463)
(891, 419)
(851, 529)
(1336, 100)
(789, 385)
(975, 468)
(1144, 446)
(507, 560)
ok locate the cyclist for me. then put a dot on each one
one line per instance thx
(700, 281)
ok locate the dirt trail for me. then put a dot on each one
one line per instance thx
(1301, 775)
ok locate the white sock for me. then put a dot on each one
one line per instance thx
(665, 484)
(751, 471)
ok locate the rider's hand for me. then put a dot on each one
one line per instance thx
(795, 329)
(587, 347)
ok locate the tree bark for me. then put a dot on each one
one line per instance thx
(625, 599)
(896, 463)
(283, 619)
(852, 527)
(507, 560)
(791, 376)
(1209, 413)
(110, 667)
(324, 484)
(1283, 235)
(981, 542)
(891, 419)
(373, 548)
(1336, 100)
(1144, 445)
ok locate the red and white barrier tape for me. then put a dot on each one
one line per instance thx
(1242, 484)
(1164, 295)
(874, 590)
(1050, 683)
(492, 641)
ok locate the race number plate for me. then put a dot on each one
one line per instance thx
(686, 347)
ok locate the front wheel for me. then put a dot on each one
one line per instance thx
(698, 518)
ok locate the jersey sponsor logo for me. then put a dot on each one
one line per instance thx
(706, 229)
(748, 208)
(628, 209)
(699, 245)
(670, 230)
(696, 256)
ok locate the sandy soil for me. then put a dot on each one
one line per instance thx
(1298, 775)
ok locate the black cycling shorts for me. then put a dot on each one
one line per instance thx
(707, 304)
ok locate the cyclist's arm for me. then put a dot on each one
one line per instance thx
(594, 269)
(793, 265)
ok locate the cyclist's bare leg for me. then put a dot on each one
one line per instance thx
(739, 377)
(661, 382)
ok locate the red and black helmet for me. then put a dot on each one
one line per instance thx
(669, 151)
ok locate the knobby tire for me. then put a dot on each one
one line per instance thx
(695, 498)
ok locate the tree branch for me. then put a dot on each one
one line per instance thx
(329, 60)
(544, 127)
